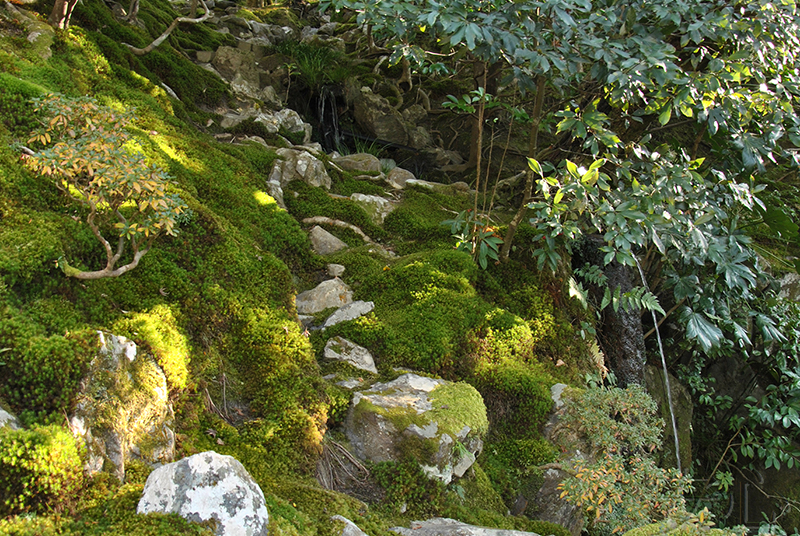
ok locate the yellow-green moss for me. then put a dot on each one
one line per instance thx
(159, 330)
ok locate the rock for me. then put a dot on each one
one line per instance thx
(205, 56)
(331, 293)
(41, 35)
(324, 243)
(376, 207)
(374, 114)
(547, 504)
(299, 165)
(205, 487)
(123, 409)
(293, 123)
(442, 526)
(790, 287)
(350, 528)
(682, 404)
(361, 162)
(349, 312)
(229, 62)
(398, 177)
(415, 114)
(447, 422)
(343, 350)
(9, 420)
(335, 270)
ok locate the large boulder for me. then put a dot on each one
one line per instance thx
(548, 504)
(205, 487)
(359, 162)
(123, 410)
(374, 114)
(436, 422)
(331, 293)
(442, 526)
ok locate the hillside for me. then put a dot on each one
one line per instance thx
(226, 152)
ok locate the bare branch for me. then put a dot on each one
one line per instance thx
(163, 37)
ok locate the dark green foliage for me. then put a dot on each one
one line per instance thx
(348, 186)
(16, 114)
(406, 483)
(41, 370)
(511, 465)
(40, 469)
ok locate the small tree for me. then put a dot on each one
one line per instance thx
(89, 155)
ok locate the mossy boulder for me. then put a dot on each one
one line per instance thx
(439, 424)
(123, 409)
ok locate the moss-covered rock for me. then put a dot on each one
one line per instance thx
(439, 424)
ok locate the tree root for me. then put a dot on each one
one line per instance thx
(338, 223)
(163, 37)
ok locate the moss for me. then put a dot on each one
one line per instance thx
(159, 331)
(457, 405)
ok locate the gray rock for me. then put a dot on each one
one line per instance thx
(331, 293)
(361, 162)
(9, 420)
(229, 62)
(376, 207)
(374, 114)
(441, 526)
(350, 528)
(204, 487)
(324, 243)
(335, 270)
(790, 287)
(123, 410)
(398, 177)
(205, 56)
(349, 312)
(293, 123)
(343, 350)
(407, 417)
(299, 165)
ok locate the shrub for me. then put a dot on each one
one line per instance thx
(624, 488)
(40, 469)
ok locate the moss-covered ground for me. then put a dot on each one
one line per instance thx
(214, 305)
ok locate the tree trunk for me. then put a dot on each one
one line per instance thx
(620, 335)
(61, 14)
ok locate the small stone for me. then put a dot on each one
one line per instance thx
(343, 350)
(335, 270)
(331, 293)
(349, 312)
(324, 243)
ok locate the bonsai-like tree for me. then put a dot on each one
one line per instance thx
(88, 153)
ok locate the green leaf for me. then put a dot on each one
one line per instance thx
(701, 330)
(666, 115)
(535, 166)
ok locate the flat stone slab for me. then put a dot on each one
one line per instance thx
(324, 243)
(350, 311)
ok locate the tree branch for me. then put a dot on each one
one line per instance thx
(160, 39)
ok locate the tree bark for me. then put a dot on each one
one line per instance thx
(61, 13)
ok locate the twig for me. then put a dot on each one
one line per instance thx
(163, 37)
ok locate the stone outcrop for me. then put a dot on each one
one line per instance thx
(442, 526)
(341, 349)
(294, 164)
(376, 207)
(205, 487)
(359, 162)
(436, 422)
(331, 293)
(123, 410)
